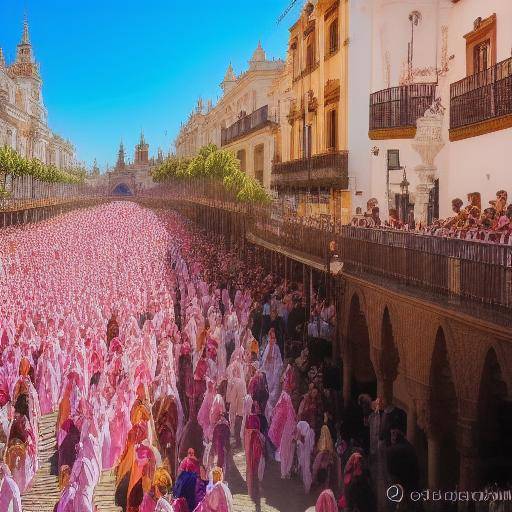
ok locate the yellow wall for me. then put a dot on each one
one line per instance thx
(330, 68)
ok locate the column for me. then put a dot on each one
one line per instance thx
(411, 424)
(347, 381)
(434, 459)
(467, 446)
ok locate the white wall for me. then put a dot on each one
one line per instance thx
(474, 164)
(359, 87)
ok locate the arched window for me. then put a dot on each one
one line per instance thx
(333, 37)
(240, 154)
(332, 129)
(259, 162)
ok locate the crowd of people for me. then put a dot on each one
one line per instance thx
(160, 353)
(492, 224)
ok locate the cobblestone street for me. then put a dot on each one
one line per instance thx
(277, 495)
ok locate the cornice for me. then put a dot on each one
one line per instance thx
(491, 328)
(481, 128)
(401, 132)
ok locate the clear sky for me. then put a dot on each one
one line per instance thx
(112, 67)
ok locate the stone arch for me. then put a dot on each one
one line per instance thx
(122, 190)
(358, 350)
(494, 429)
(389, 360)
(351, 291)
(442, 418)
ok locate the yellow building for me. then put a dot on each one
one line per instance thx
(310, 167)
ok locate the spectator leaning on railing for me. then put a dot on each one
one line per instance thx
(493, 224)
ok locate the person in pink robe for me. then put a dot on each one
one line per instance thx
(281, 432)
(254, 446)
(326, 502)
(10, 498)
(203, 416)
(190, 463)
(218, 499)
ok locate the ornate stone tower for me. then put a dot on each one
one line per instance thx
(142, 151)
(95, 171)
(121, 164)
(229, 80)
(25, 65)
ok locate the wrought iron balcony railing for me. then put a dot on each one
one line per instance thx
(472, 270)
(482, 96)
(400, 107)
(317, 170)
(246, 124)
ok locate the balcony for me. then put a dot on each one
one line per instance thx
(477, 273)
(245, 125)
(394, 111)
(324, 170)
(482, 103)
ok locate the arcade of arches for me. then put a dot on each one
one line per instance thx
(450, 373)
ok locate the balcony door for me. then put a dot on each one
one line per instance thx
(308, 141)
(482, 56)
(332, 129)
(240, 154)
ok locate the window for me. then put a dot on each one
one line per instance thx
(258, 162)
(332, 129)
(308, 141)
(240, 154)
(393, 159)
(310, 55)
(333, 37)
(481, 45)
(481, 56)
(292, 142)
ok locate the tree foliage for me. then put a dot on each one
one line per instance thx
(14, 165)
(216, 164)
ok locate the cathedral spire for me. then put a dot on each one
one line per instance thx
(229, 79)
(121, 164)
(24, 49)
(25, 39)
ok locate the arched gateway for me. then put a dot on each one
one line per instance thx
(122, 189)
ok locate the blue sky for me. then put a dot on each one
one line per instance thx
(113, 67)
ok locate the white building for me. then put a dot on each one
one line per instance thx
(417, 51)
(23, 116)
(242, 120)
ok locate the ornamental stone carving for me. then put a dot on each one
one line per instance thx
(428, 142)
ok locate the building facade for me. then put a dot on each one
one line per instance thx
(23, 116)
(440, 106)
(243, 120)
(311, 171)
(127, 178)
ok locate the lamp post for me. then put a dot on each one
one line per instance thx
(404, 196)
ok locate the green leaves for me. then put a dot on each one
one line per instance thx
(215, 164)
(13, 164)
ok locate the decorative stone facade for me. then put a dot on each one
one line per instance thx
(128, 178)
(433, 345)
(243, 120)
(23, 116)
(415, 44)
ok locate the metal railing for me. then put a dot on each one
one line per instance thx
(399, 107)
(332, 160)
(468, 269)
(250, 122)
(482, 96)
(474, 270)
(316, 170)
